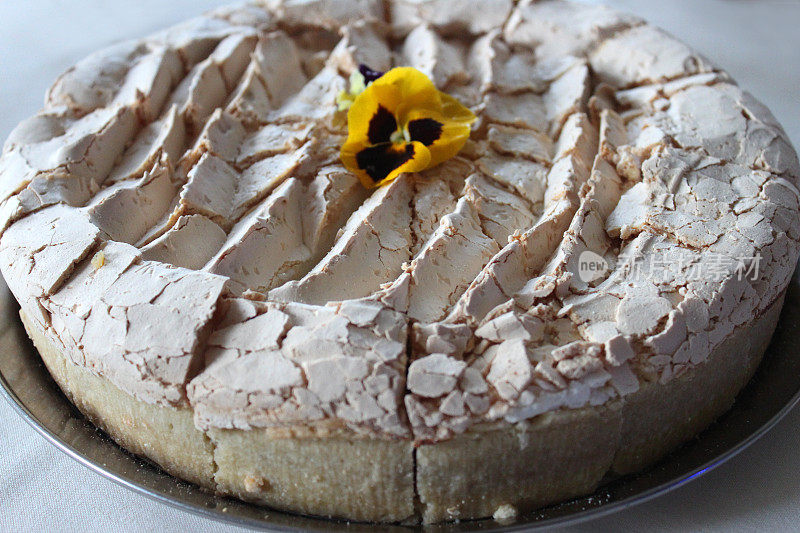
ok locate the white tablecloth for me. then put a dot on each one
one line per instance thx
(41, 489)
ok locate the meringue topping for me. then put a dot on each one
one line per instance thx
(619, 209)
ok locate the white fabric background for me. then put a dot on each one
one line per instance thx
(42, 489)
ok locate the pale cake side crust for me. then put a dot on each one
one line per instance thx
(339, 476)
(556, 456)
(165, 435)
(658, 418)
(567, 453)
(348, 477)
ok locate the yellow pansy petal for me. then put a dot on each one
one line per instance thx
(443, 137)
(418, 162)
(415, 90)
(347, 155)
(369, 122)
(375, 165)
(455, 110)
(358, 117)
(369, 116)
(389, 96)
(454, 136)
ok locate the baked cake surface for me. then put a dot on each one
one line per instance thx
(585, 286)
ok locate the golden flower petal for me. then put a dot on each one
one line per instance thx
(455, 110)
(411, 88)
(443, 137)
(377, 164)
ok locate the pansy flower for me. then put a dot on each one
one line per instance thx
(359, 80)
(401, 123)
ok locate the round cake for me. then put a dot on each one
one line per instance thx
(581, 283)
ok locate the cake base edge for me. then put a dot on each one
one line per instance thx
(569, 453)
(340, 476)
(553, 457)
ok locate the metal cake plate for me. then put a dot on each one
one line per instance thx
(774, 390)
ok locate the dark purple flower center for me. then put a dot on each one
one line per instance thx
(369, 74)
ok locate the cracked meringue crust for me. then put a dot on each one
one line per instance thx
(556, 456)
(337, 474)
(585, 286)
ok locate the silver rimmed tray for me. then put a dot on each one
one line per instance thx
(774, 390)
